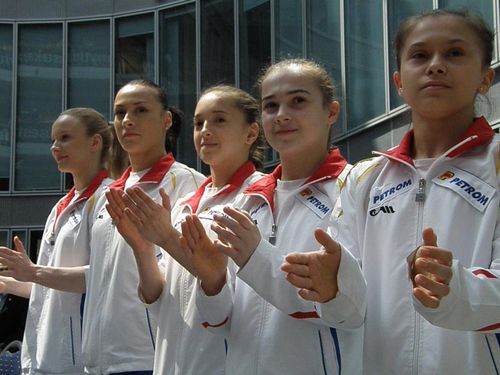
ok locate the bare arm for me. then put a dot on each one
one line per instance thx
(9, 285)
(21, 268)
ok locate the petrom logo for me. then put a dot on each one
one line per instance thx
(306, 192)
(446, 175)
(382, 209)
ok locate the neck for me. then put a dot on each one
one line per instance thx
(434, 137)
(295, 167)
(82, 179)
(221, 174)
(141, 161)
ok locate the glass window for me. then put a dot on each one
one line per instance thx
(255, 30)
(483, 7)
(4, 237)
(5, 103)
(35, 236)
(178, 70)
(217, 42)
(39, 102)
(398, 11)
(288, 28)
(134, 57)
(89, 70)
(323, 43)
(365, 77)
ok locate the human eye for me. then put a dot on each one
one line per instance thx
(197, 123)
(141, 109)
(298, 99)
(418, 55)
(455, 52)
(119, 114)
(220, 120)
(269, 106)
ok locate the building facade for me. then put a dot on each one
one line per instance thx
(57, 54)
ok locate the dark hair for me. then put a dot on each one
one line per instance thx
(95, 123)
(247, 104)
(177, 115)
(482, 31)
(310, 68)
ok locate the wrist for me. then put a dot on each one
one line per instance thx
(213, 286)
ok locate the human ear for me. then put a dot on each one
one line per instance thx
(488, 78)
(333, 112)
(96, 142)
(253, 133)
(396, 78)
(167, 120)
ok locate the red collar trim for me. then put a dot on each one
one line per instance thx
(94, 185)
(480, 131)
(331, 168)
(155, 174)
(234, 183)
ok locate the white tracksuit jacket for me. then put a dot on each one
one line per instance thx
(270, 328)
(118, 332)
(382, 223)
(52, 337)
(184, 346)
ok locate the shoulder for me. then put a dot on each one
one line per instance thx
(180, 172)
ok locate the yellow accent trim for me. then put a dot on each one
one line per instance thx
(365, 173)
(174, 180)
(498, 162)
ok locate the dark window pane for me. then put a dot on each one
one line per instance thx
(288, 28)
(178, 70)
(39, 102)
(217, 42)
(5, 103)
(89, 70)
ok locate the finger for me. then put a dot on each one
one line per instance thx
(309, 295)
(297, 258)
(296, 269)
(441, 256)
(225, 249)
(141, 199)
(114, 197)
(18, 245)
(442, 272)
(426, 299)
(187, 233)
(113, 212)
(299, 281)
(165, 200)
(434, 288)
(198, 226)
(225, 235)
(133, 218)
(429, 237)
(331, 246)
(239, 216)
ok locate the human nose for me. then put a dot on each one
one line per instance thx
(436, 65)
(126, 120)
(205, 130)
(282, 115)
(55, 146)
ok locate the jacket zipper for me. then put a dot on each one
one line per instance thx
(420, 199)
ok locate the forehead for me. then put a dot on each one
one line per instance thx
(441, 29)
(213, 100)
(131, 94)
(288, 80)
(66, 123)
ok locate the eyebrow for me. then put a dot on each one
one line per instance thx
(214, 111)
(452, 41)
(291, 92)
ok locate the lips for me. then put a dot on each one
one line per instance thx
(130, 134)
(435, 85)
(284, 131)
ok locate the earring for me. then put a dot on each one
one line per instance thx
(400, 90)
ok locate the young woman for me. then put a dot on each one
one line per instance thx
(118, 330)
(436, 192)
(227, 138)
(270, 329)
(81, 145)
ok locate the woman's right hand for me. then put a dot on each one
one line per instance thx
(18, 263)
(206, 261)
(152, 219)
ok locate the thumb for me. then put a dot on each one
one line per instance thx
(429, 237)
(331, 246)
(19, 245)
(165, 199)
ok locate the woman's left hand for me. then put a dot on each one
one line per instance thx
(238, 235)
(18, 263)
(432, 271)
